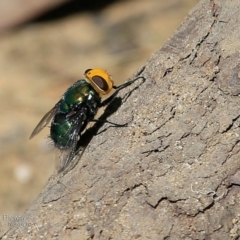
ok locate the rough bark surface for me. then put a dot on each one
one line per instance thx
(173, 173)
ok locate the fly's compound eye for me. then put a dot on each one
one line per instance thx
(100, 80)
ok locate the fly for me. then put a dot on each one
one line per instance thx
(77, 107)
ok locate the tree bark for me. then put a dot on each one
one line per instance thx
(173, 172)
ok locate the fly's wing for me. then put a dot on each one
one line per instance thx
(44, 121)
(66, 156)
(69, 161)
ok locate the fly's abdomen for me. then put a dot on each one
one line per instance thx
(61, 131)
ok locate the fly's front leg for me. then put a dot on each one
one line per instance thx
(114, 124)
(119, 88)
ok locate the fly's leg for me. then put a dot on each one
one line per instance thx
(106, 121)
(119, 88)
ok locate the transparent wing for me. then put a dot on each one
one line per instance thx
(44, 121)
(74, 134)
(69, 161)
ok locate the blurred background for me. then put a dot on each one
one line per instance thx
(45, 47)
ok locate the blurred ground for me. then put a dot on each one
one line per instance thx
(39, 60)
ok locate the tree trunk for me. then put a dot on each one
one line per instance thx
(173, 172)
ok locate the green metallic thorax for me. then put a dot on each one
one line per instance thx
(78, 93)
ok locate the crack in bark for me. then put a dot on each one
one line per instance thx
(162, 199)
(159, 138)
(167, 71)
(231, 125)
(133, 187)
(156, 150)
(173, 112)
